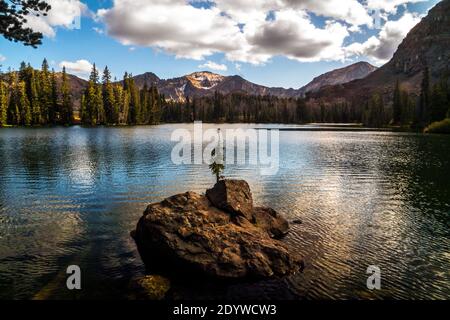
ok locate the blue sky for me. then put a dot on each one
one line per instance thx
(270, 44)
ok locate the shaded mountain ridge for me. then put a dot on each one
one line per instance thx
(427, 45)
(205, 83)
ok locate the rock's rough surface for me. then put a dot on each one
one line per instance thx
(233, 196)
(150, 287)
(187, 234)
(271, 221)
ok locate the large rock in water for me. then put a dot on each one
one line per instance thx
(233, 196)
(188, 234)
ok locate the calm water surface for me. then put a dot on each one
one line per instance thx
(72, 195)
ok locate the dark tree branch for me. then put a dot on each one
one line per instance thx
(13, 19)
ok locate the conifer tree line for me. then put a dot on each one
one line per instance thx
(240, 107)
(30, 97)
(403, 109)
(33, 97)
(111, 103)
(432, 105)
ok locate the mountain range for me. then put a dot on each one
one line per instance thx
(205, 83)
(426, 45)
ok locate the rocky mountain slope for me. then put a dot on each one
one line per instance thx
(355, 71)
(206, 83)
(427, 44)
(147, 78)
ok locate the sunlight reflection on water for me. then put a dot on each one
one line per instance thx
(71, 195)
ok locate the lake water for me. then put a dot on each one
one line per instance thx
(72, 195)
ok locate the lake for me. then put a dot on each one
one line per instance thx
(72, 195)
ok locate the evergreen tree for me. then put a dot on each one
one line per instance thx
(397, 105)
(45, 92)
(101, 118)
(66, 105)
(300, 111)
(439, 102)
(424, 102)
(84, 115)
(54, 112)
(118, 101)
(125, 81)
(23, 104)
(23, 71)
(407, 114)
(125, 111)
(134, 111)
(35, 101)
(109, 102)
(3, 104)
(94, 99)
(376, 112)
(156, 103)
(91, 104)
(144, 99)
(14, 116)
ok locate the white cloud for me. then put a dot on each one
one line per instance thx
(349, 11)
(389, 6)
(189, 32)
(382, 48)
(213, 66)
(80, 67)
(172, 25)
(245, 11)
(255, 31)
(292, 34)
(64, 13)
(2, 58)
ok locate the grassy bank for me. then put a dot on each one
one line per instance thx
(439, 127)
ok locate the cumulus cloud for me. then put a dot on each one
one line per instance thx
(251, 31)
(80, 67)
(213, 66)
(64, 13)
(2, 58)
(382, 47)
(350, 11)
(172, 25)
(292, 34)
(389, 6)
(244, 11)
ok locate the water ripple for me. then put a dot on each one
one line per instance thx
(71, 196)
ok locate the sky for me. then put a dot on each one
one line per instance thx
(277, 43)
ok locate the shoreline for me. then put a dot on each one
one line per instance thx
(313, 127)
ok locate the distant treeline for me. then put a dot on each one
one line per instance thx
(108, 103)
(37, 97)
(432, 104)
(401, 109)
(31, 97)
(42, 97)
